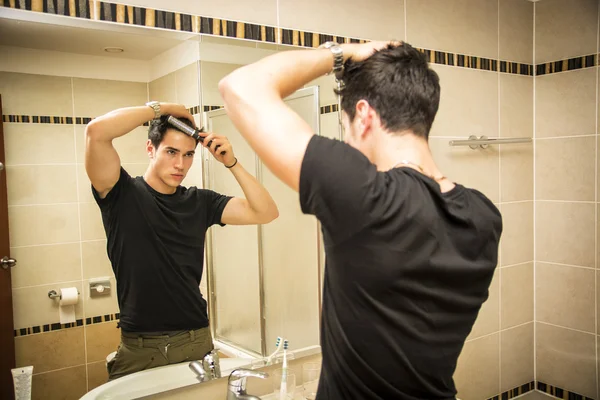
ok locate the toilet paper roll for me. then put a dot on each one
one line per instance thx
(66, 310)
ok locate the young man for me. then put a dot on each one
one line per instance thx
(156, 229)
(410, 254)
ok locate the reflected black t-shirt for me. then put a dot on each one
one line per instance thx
(156, 247)
(407, 270)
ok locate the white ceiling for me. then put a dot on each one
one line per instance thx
(90, 41)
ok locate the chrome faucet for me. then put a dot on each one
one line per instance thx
(209, 369)
(236, 388)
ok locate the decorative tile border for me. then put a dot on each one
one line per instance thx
(560, 393)
(151, 18)
(567, 65)
(42, 119)
(330, 109)
(58, 326)
(473, 62)
(69, 8)
(518, 391)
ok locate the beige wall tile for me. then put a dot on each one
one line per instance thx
(565, 29)
(101, 305)
(516, 30)
(32, 307)
(135, 170)
(132, 147)
(60, 224)
(461, 26)
(40, 265)
(566, 358)
(187, 81)
(163, 89)
(516, 105)
(27, 94)
(556, 161)
(565, 233)
(517, 235)
(330, 125)
(476, 169)
(488, 320)
(516, 349)
(96, 97)
(326, 84)
(52, 350)
(566, 104)
(97, 374)
(211, 74)
(565, 296)
(41, 184)
(38, 143)
(66, 384)
(101, 340)
(516, 288)
(468, 103)
(256, 11)
(352, 18)
(91, 222)
(479, 355)
(95, 260)
(516, 173)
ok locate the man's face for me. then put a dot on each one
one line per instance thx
(173, 157)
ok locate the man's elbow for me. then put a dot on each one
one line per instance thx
(269, 216)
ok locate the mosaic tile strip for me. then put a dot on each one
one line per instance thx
(57, 326)
(68, 8)
(473, 62)
(567, 65)
(560, 393)
(518, 391)
(330, 108)
(41, 119)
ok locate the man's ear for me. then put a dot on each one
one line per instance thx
(150, 148)
(364, 117)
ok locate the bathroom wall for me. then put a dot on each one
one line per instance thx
(474, 39)
(55, 227)
(566, 176)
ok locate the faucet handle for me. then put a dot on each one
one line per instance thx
(237, 379)
(198, 370)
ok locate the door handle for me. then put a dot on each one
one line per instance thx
(1, 166)
(7, 263)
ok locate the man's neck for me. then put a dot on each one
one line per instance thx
(404, 148)
(156, 183)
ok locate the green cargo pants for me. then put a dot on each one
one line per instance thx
(138, 352)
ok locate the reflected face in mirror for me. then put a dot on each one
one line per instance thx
(170, 160)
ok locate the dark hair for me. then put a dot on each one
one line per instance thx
(398, 83)
(159, 127)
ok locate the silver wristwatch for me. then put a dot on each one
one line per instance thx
(338, 58)
(155, 105)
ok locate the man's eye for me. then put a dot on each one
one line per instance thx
(170, 152)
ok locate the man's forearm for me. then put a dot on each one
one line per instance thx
(259, 199)
(119, 122)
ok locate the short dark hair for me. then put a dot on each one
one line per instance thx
(158, 129)
(398, 83)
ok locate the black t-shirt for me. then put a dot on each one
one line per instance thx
(156, 247)
(407, 270)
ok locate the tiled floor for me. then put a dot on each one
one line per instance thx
(535, 395)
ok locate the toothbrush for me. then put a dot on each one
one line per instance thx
(283, 388)
(278, 345)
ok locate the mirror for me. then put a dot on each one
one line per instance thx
(261, 282)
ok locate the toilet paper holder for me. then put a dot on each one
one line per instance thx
(53, 295)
